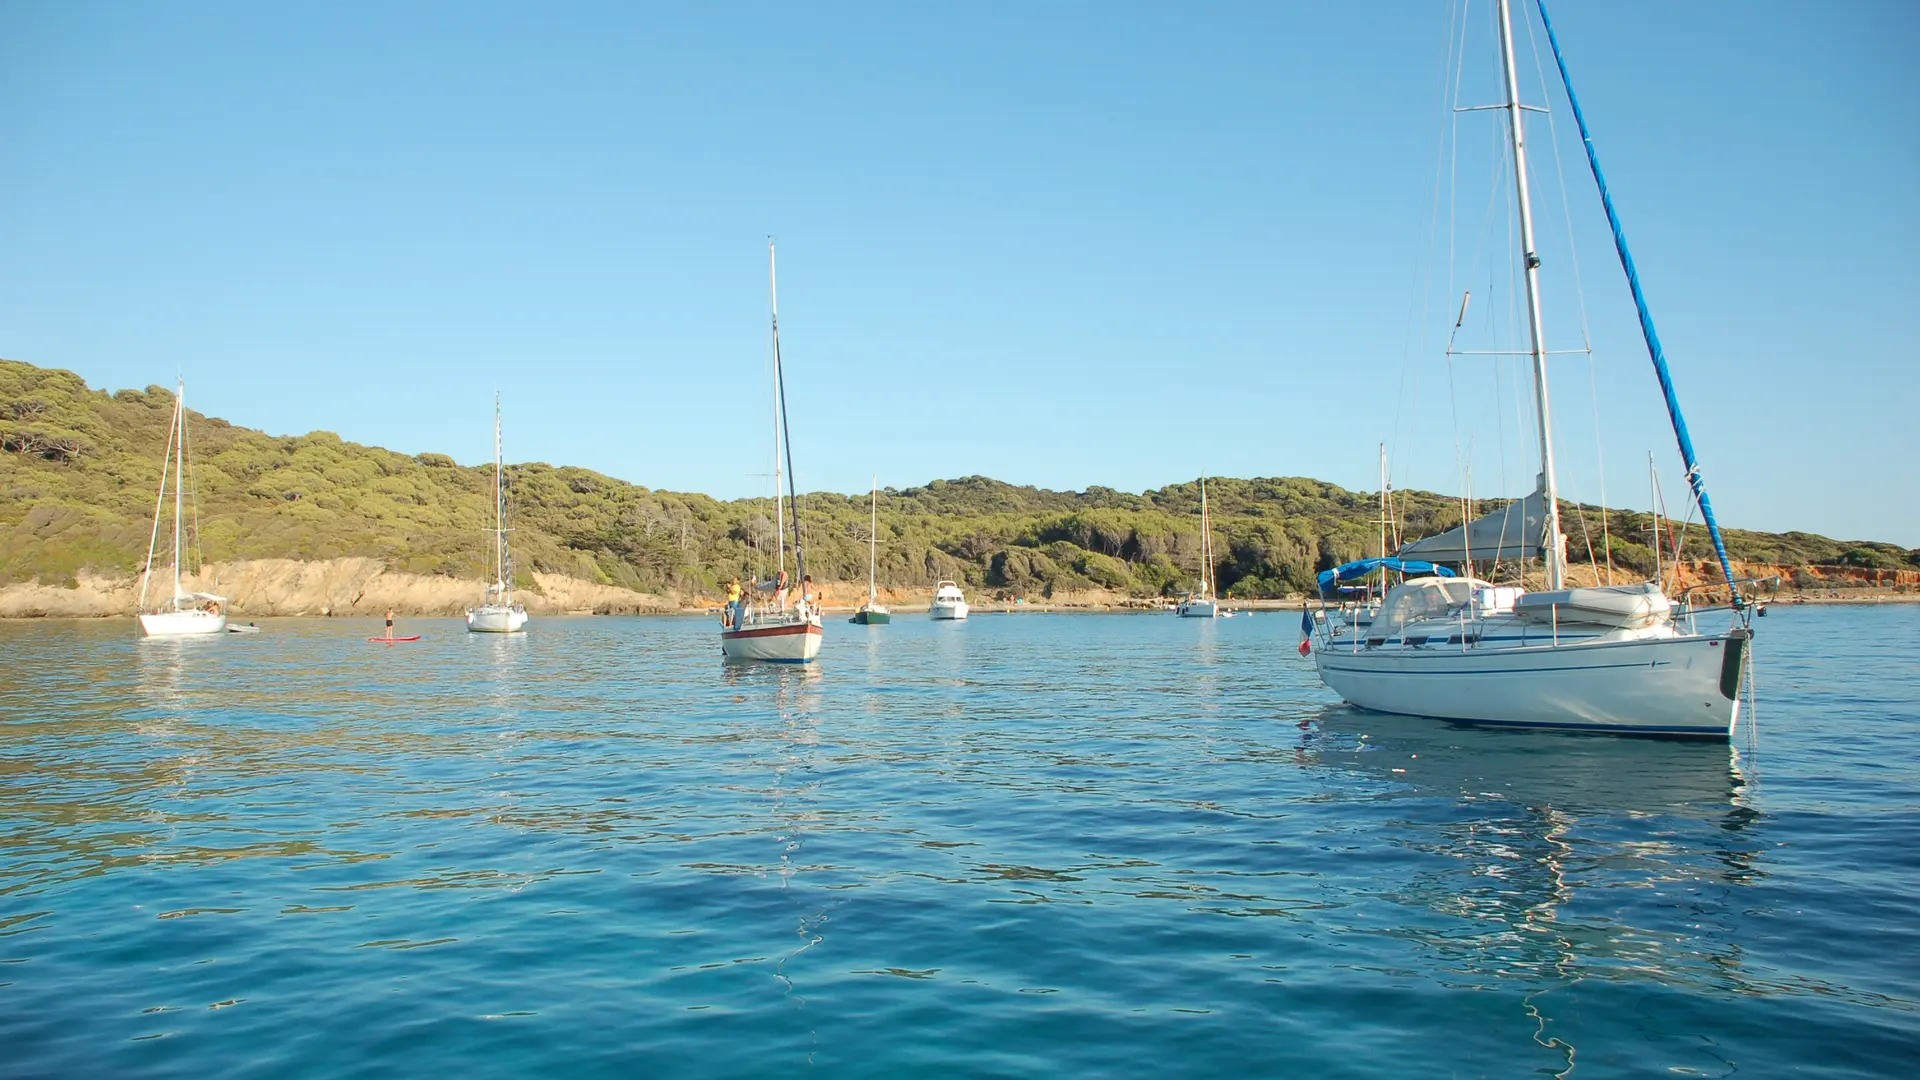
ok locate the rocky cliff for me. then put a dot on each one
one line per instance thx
(348, 586)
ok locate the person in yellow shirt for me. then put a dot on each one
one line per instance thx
(732, 616)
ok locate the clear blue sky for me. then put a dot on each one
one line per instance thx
(1055, 244)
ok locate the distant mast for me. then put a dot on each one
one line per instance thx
(873, 541)
(1383, 500)
(179, 477)
(499, 513)
(1206, 544)
(1555, 558)
(779, 504)
(782, 435)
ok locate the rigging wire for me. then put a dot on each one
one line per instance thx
(1752, 751)
(1490, 222)
(198, 554)
(1453, 227)
(1660, 511)
(1412, 352)
(1580, 299)
(159, 505)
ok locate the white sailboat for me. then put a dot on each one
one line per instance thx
(1202, 604)
(767, 627)
(1623, 659)
(873, 613)
(183, 613)
(498, 613)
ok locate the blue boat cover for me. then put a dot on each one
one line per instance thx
(1353, 571)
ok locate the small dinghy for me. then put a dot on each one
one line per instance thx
(247, 628)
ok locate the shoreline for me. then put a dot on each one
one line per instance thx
(353, 587)
(712, 610)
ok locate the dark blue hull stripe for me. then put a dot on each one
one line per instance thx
(1649, 665)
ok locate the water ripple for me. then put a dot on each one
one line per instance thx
(1119, 845)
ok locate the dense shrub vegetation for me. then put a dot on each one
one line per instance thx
(79, 469)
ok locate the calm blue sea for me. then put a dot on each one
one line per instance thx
(1071, 845)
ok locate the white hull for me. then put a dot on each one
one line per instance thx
(494, 619)
(182, 623)
(777, 641)
(1677, 686)
(1199, 609)
(949, 610)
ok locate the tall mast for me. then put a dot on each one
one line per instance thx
(873, 539)
(179, 476)
(779, 504)
(1383, 500)
(1206, 543)
(499, 509)
(1555, 558)
(159, 508)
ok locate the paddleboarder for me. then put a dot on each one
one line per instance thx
(389, 624)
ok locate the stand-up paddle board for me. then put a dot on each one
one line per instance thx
(393, 640)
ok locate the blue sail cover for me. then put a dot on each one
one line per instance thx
(1354, 571)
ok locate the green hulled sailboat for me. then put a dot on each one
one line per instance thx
(871, 613)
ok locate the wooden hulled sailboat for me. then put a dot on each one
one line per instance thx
(871, 613)
(182, 613)
(766, 626)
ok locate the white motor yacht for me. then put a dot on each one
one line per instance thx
(948, 601)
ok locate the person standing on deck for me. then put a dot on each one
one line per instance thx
(732, 618)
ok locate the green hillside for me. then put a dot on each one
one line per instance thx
(79, 469)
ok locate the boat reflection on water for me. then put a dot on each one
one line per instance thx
(1566, 771)
(783, 678)
(786, 742)
(1554, 856)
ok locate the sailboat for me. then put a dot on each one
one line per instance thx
(767, 627)
(871, 613)
(1202, 604)
(497, 613)
(1624, 659)
(1360, 603)
(183, 613)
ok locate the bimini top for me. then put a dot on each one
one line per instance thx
(1353, 571)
